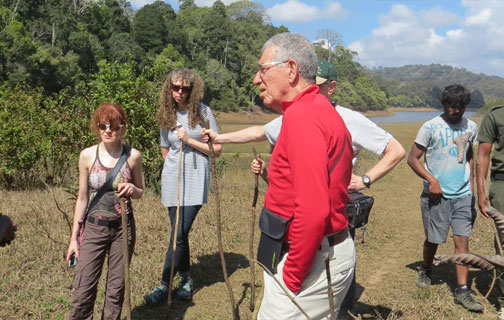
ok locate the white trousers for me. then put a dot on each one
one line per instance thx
(313, 297)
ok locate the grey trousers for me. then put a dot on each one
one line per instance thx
(100, 242)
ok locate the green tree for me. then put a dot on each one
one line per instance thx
(120, 84)
(217, 30)
(121, 47)
(52, 70)
(149, 28)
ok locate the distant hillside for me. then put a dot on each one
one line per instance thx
(421, 85)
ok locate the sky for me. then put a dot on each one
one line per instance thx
(386, 33)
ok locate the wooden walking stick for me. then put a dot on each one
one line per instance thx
(127, 291)
(218, 223)
(251, 238)
(291, 298)
(498, 218)
(175, 229)
(330, 292)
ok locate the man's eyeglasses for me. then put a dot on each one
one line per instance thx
(263, 67)
(105, 126)
(176, 88)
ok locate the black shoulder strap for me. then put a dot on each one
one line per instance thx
(339, 155)
(108, 183)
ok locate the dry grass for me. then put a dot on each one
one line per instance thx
(35, 283)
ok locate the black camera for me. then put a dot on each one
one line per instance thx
(73, 261)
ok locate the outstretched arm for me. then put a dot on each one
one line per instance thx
(198, 145)
(392, 155)
(250, 134)
(482, 165)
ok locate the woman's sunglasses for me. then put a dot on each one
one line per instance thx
(105, 126)
(176, 88)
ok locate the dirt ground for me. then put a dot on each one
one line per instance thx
(36, 284)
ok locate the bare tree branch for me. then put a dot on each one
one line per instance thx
(40, 226)
(63, 212)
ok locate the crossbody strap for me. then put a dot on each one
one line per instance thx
(339, 155)
(108, 183)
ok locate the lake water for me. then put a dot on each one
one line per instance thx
(412, 116)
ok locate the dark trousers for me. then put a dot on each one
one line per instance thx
(187, 214)
(496, 197)
(100, 241)
(348, 301)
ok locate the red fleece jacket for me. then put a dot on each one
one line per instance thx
(310, 140)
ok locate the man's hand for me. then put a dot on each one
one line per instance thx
(7, 231)
(257, 166)
(205, 133)
(435, 191)
(482, 202)
(356, 183)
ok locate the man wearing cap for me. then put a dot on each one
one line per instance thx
(365, 135)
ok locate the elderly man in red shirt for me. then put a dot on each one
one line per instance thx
(304, 206)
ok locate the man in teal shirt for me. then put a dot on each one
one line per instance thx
(447, 198)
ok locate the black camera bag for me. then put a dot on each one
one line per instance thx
(273, 229)
(358, 209)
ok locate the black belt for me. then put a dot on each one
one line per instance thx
(114, 223)
(496, 175)
(334, 239)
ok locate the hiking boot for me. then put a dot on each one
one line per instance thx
(344, 314)
(464, 298)
(424, 278)
(156, 297)
(185, 291)
(500, 314)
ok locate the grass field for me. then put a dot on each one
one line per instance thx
(36, 284)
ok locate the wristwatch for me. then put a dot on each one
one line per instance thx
(366, 180)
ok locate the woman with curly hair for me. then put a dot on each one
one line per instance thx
(181, 116)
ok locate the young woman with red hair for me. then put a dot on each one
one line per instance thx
(103, 230)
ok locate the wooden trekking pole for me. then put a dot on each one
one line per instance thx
(127, 291)
(330, 292)
(498, 244)
(284, 289)
(251, 238)
(218, 223)
(175, 228)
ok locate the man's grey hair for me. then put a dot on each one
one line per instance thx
(296, 47)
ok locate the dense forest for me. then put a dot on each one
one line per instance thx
(60, 59)
(421, 85)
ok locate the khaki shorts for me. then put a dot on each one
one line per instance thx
(457, 213)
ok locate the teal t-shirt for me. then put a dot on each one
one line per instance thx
(442, 158)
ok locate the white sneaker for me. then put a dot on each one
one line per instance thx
(500, 315)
